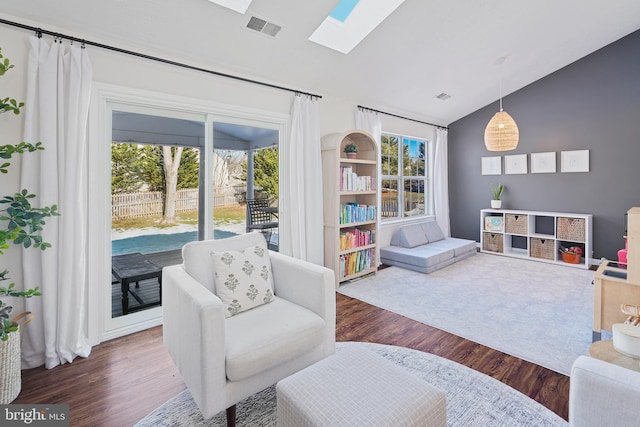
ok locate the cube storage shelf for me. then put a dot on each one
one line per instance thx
(536, 235)
(351, 197)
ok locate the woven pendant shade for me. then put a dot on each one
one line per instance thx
(501, 134)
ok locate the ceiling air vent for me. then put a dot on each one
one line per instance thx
(262, 26)
(443, 96)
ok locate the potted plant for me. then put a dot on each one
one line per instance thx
(20, 224)
(496, 203)
(351, 150)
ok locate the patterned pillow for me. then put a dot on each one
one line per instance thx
(243, 278)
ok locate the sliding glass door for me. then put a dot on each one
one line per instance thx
(167, 171)
(155, 193)
(245, 168)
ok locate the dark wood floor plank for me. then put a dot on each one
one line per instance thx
(117, 385)
(126, 378)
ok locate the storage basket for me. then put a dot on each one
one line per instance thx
(494, 223)
(572, 229)
(517, 224)
(10, 374)
(492, 242)
(571, 258)
(543, 248)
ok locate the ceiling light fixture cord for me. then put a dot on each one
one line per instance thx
(500, 85)
(501, 133)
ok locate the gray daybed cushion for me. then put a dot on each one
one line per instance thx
(409, 236)
(432, 231)
(426, 257)
(460, 247)
(437, 252)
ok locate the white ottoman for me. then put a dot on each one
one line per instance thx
(357, 387)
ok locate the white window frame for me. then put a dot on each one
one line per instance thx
(401, 178)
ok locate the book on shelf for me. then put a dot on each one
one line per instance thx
(357, 212)
(356, 237)
(356, 262)
(350, 181)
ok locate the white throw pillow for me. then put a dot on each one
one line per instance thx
(243, 278)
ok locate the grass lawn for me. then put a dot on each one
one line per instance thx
(221, 215)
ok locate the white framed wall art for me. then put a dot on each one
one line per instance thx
(515, 164)
(574, 161)
(543, 162)
(492, 165)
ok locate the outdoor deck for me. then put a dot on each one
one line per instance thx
(148, 289)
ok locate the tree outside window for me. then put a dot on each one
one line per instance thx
(154, 168)
(405, 177)
(265, 172)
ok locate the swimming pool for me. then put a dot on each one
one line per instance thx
(153, 243)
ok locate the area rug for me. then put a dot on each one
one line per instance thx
(540, 312)
(473, 399)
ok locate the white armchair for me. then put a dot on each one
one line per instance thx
(603, 394)
(224, 360)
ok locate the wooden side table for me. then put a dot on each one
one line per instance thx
(604, 350)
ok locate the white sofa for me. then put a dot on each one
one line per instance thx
(423, 247)
(603, 394)
(224, 360)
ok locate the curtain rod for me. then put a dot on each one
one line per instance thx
(40, 31)
(405, 118)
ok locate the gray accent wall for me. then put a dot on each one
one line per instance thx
(592, 104)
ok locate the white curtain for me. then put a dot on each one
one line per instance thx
(370, 122)
(303, 202)
(441, 182)
(56, 113)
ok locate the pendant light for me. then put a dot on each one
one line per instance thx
(501, 133)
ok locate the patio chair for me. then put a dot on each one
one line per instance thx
(261, 217)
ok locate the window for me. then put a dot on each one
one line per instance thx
(406, 177)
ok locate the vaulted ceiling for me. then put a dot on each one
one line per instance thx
(426, 47)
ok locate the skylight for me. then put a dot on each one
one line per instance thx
(237, 5)
(351, 21)
(343, 9)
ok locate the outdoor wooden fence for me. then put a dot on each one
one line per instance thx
(133, 205)
(389, 208)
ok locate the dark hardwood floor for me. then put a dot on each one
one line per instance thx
(126, 378)
(358, 321)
